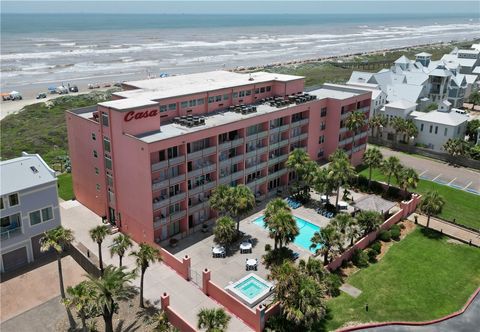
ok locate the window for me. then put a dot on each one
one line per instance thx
(109, 180)
(321, 139)
(257, 91)
(95, 154)
(47, 214)
(226, 96)
(96, 170)
(105, 119)
(320, 153)
(13, 199)
(106, 144)
(1, 203)
(235, 95)
(262, 90)
(436, 130)
(35, 217)
(98, 187)
(200, 101)
(192, 103)
(445, 132)
(323, 112)
(108, 162)
(248, 92)
(94, 137)
(218, 98)
(431, 128)
(10, 223)
(172, 107)
(163, 108)
(241, 94)
(184, 104)
(211, 99)
(323, 126)
(269, 88)
(421, 127)
(172, 152)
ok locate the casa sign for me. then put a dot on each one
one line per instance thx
(140, 115)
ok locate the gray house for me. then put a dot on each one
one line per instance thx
(29, 207)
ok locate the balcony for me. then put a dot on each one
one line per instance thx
(257, 182)
(232, 160)
(202, 170)
(277, 159)
(178, 197)
(159, 221)
(8, 234)
(257, 151)
(299, 123)
(298, 137)
(343, 130)
(160, 203)
(202, 188)
(198, 207)
(177, 215)
(278, 173)
(159, 165)
(177, 179)
(176, 160)
(258, 135)
(201, 153)
(160, 184)
(279, 129)
(230, 144)
(255, 168)
(276, 145)
(360, 147)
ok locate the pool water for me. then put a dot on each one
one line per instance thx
(251, 287)
(306, 228)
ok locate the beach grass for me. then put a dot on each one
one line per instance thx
(65, 186)
(422, 277)
(41, 128)
(459, 204)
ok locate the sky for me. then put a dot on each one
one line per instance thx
(241, 7)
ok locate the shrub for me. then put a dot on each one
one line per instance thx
(360, 258)
(372, 255)
(333, 282)
(276, 257)
(376, 246)
(384, 236)
(268, 247)
(401, 225)
(395, 232)
(344, 264)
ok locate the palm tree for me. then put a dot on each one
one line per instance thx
(407, 178)
(410, 130)
(328, 238)
(456, 147)
(58, 239)
(213, 320)
(339, 171)
(81, 298)
(372, 158)
(224, 231)
(474, 98)
(391, 167)
(355, 120)
(368, 221)
(111, 288)
(353, 230)
(432, 204)
(120, 245)
(221, 199)
(143, 257)
(161, 324)
(298, 162)
(376, 122)
(272, 208)
(243, 201)
(98, 234)
(398, 125)
(282, 227)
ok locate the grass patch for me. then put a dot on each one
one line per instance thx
(420, 278)
(41, 128)
(65, 186)
(459, 204)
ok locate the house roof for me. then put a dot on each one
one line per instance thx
(403, 60)
(450, 118)
(476, 70)
(464, 62)
(374, 203)
(408, 92)
(416, 78)
(24, 172)
(423, 54)
(401, 104)
(360, 77)
(470, 78)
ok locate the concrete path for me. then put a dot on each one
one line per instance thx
(439, 171)
(454, 231)
(351, 290)
(467, 322)
(185, 298)
(42, 318)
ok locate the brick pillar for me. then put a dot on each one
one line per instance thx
(260, 314)
(206, 275)
(186, 267)
(165, 301)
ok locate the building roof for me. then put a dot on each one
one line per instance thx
(464, 62)
(474, 51)
(441, 72)
(24, 172)
(476, 46)
(476, 70)
(403, 60)
(128, 103)
(337, 91)
(423, 54)
(374, 203)
(401, 104)
(173, 86)
(415, 78)
(404, 91)
(360, 77)
(470, 78)
(450, 118)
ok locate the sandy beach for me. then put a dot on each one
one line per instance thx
(29, 93)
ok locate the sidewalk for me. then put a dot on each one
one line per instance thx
(185, 298)
(456, 232)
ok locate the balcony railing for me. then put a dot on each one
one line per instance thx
(255, 168)
(178, 215)
(278, 173)
(277, 159)
(200, 153)
(169, 200)
(5, 235)
(279, 129)
(258, 135)
(202, 170)
(198, 206)
(202, 188)
(257, 182)
(159, 165)
(299, 123)
(274, 146)
(298, 137)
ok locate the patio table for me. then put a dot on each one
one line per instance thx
(245, 247)
(218, 251)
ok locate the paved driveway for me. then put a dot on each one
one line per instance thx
(467, 322)
(185, 298)
(438, 171)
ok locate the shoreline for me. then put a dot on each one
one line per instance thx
(12, 107)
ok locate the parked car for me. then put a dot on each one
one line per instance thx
(118, 84)
(73, 88)
(107, 85)
(41, 96)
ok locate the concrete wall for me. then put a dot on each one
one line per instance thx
(182, 267)
(406, 208)
(173, 317)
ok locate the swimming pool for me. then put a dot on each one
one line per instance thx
(251, 289)
(306, 228)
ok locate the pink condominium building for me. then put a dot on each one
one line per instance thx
(149, 159)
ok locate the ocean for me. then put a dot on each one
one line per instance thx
(49, 49)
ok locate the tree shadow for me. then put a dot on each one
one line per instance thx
(431, 234)
(147, 313)
(130, 328)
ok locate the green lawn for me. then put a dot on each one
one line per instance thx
(65, 186)
(459, 204)
(420, 278)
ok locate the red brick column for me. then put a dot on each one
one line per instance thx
(206, 275)
(165, 301)
(186, 266)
